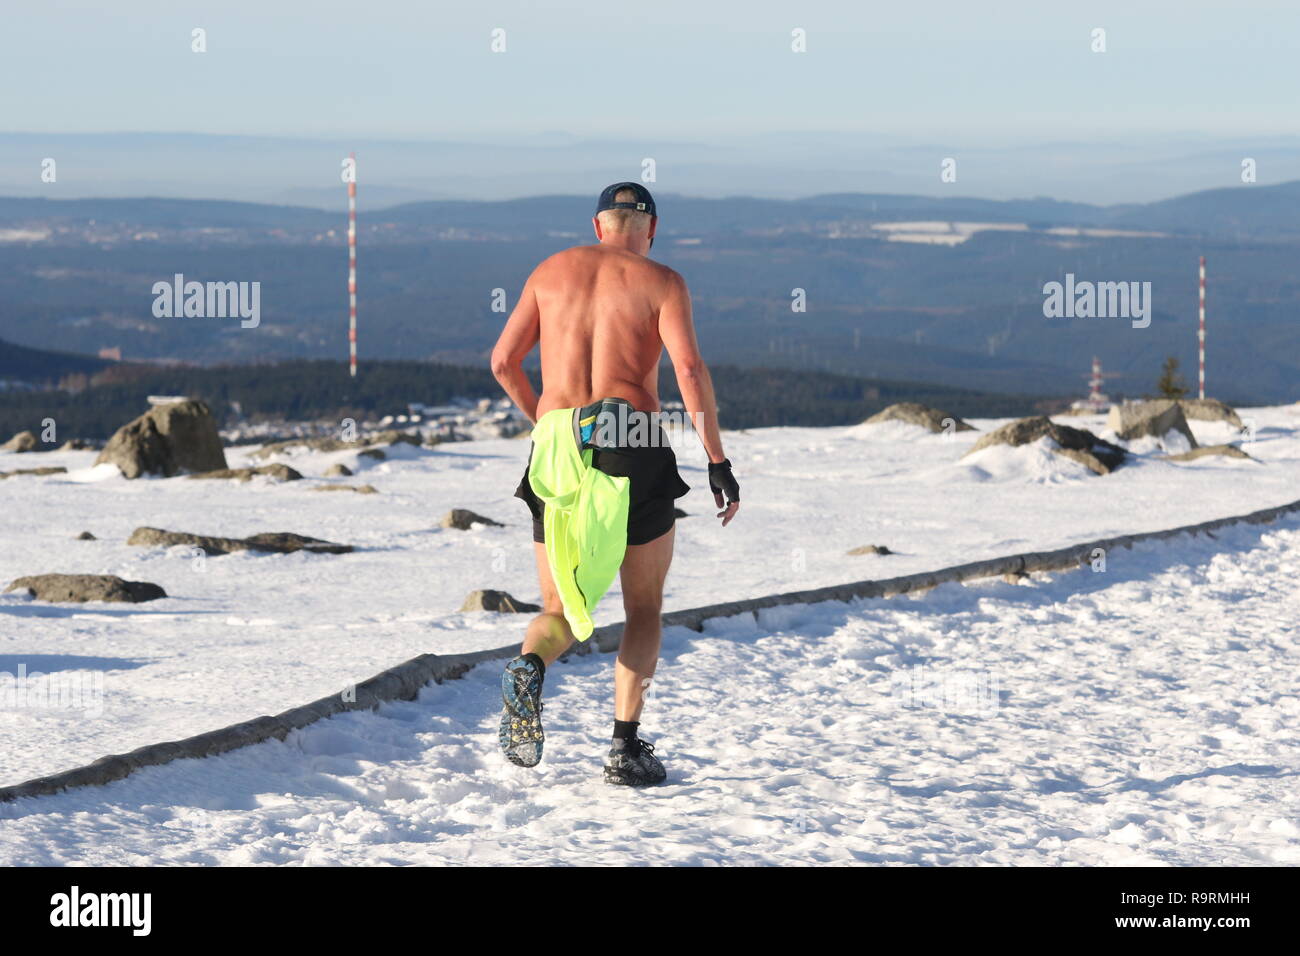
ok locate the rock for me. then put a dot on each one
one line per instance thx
(86, 587)
(433, 440)
(281, 542)
(314, 444)
(44, 470)
(1077, 444)
(339, 470)
(1226, 451)
(359, 489)
(392, 437)
(915, 413)
(167, 440)
(462, 520)
(23, 441)
(1209, 410)
(1155, 419)
(488, 600)
(378, 454)
(277, 471)
(86, 536)
(871, 549)
(77, 444)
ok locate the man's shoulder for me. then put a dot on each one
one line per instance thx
(591, 256)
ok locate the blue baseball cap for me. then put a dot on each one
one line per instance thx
(644, 201)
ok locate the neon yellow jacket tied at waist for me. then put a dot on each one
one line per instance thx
(585, 519)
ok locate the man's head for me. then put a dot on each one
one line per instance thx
(625, 216)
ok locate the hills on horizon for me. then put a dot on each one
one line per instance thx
(965, 315)
(1257, 212)
(789, 164)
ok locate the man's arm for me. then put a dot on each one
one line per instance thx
(677, 331)
(522, 332)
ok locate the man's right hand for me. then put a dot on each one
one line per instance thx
(722, 481)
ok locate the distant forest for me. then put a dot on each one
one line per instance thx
(94, 406)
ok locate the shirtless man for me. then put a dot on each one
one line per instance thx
(604, 314)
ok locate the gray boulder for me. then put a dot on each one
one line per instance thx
(915, 413)
(488, 600)
(277, 471)
(23, 441)
(281, 542)
(44, 470)
(312, 444)
(64, 588)
(1205, 451)
(393, 437)
(871, 549)
(339, 470)
(463, 519)
(1209, 410)
(1155, 419)
(167, 440)
(1077, 444)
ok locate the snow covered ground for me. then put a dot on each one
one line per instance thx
(1147, 714)
(244, 635)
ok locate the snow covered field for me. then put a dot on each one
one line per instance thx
(1144, 715)
(243, 635)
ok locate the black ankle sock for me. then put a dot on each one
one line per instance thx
(625, 730)
(538, 663)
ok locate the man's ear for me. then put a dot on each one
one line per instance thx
(595, 224)
(654, 221)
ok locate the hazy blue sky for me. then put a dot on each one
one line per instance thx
(1020, 71)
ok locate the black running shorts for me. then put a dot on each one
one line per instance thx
(654, 488)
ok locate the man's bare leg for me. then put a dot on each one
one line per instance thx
(645, 567)
(548, 635)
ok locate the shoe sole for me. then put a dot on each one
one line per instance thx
(521, 732)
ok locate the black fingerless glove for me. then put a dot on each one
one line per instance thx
(722, 481)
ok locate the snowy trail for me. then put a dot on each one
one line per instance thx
(1144, 715)
(245, 635)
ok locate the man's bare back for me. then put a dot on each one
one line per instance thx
(599, 322)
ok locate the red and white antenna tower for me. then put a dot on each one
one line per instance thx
(352, 269)
(1098, 402)
(1200, 334)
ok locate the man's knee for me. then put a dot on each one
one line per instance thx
(642, 610)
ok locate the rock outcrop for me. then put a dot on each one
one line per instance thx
(871, 549)
(1155, 419)
(359, 489)
(339, 470)
(281, 542)
(167, 440)
(915, 413)
(1077, 444)
(277, 471)
(463, 519)
(489, 600)
(76, 588)
(1209, 410)
(1205, 451)
(44, 470)
(23, 441)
